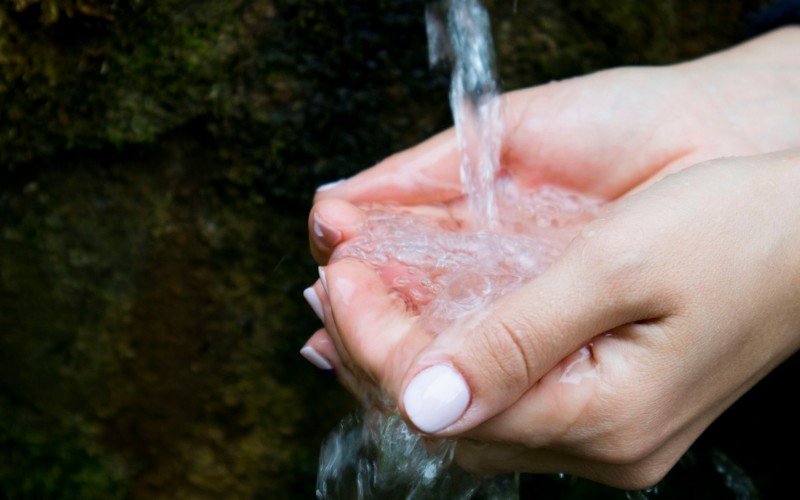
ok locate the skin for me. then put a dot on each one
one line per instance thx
(686, 288)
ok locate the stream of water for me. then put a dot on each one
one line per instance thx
(444, 271)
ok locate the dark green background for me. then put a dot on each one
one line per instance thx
(157, 162)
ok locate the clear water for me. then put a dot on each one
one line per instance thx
(375, 455)
(444, 272)
(461, 35)
(445, 268)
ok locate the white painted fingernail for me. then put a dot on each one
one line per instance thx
(323, 280)
(313, 300)
(436, 398)
(315, 358)
(330, 185)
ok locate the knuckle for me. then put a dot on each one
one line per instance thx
(510, 356)
(616, 254)
(612, 257)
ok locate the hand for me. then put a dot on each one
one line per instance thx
(687, 293)
(604, 134)
(663, 120)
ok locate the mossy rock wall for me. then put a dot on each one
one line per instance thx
(158, 160)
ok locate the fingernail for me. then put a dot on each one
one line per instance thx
(330, 185)
(323, 280)
(313, 300)
(328, 235)
(315, 358)
(436, 398)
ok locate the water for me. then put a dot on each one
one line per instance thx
(462, 37)
(444, 272)
(375, 455)
(446, 268)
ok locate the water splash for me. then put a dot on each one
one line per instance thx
(376, 455)
(445, 273)
(735, 478)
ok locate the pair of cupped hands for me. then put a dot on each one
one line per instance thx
(686, 287)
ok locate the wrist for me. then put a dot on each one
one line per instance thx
(778, 48)
(776, 53)
(752, 91)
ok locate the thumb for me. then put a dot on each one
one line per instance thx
(425, 174)
(478, 367)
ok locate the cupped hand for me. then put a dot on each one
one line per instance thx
(603, 134)
(684, 296)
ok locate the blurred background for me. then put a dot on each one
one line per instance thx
(157, 163)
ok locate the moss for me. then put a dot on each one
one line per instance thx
(269, 78)
(81, 74)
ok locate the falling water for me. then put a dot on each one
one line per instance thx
(445, 273)
(462, 37)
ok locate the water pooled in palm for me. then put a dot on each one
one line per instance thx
(448, 262)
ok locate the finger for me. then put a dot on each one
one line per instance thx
(320, 345)
(484, 363)
(325, 346)
(317, 297)
(330, 223)
(333, 222)
(320, 291)
(429, 173)
(314, 299)
(597, 448)
(371, 324)
(426, 173)
(570, 405)
(320, 351)
(548, 414)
